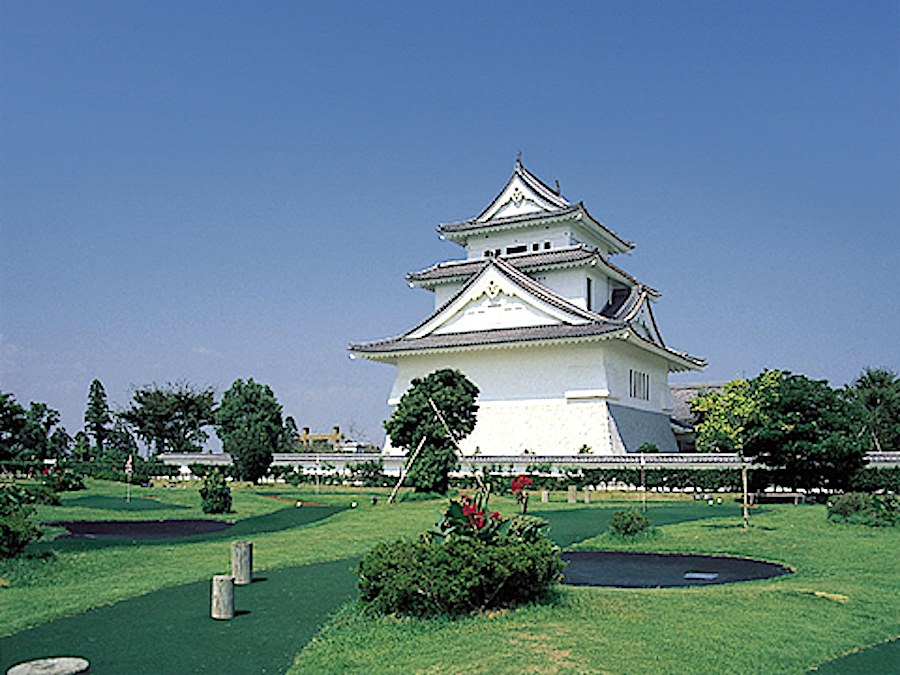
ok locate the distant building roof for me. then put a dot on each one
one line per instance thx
(683, 394)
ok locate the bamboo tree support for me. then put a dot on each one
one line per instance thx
(405, 469)
(242, 562)
(455, 442)
(643, 484)
(222, 597)
(744, 481)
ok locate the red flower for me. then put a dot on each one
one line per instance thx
(478, 520)
(468, 509)
(520, 483)
(495, 515)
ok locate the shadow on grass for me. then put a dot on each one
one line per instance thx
(119, 503)
(170, 632)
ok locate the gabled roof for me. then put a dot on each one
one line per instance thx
(569, 256)
(531, 314)
(525, 201)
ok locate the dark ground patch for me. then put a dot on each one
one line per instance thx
(271, 522)
(661, 570)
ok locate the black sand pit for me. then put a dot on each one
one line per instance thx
(661, 570)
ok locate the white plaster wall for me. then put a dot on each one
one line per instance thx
(550, 427)
(516, 374)
(621, 357)
(557, 235)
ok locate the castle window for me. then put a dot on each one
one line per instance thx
(589, 293)
(546, 244)
(515, 249)
(535, 247)
(639, 385)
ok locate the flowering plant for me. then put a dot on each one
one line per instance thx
(62, 480)
(518, 487)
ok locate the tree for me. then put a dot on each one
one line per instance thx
(12, 423)
(171, 418)
(875, 395)
(414, 425)
(722, 418)
(250, 425)
(41, 438)
(97, 416)
(804, 433)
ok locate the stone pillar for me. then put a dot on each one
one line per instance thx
(587, 496)
(242, 562)
(222, 597)
(545, 496)
(573, 494)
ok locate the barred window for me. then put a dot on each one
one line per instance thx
(639, 385)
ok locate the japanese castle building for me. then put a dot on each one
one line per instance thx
(561, 342)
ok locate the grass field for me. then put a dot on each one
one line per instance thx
(845, 593)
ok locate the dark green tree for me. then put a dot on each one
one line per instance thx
(172, 418)
(804, 433)
(415, 421)
(97, 416)
(42, 437)
(875, 395)
(250, 425)
(12, 424)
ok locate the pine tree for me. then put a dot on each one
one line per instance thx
(97, 417)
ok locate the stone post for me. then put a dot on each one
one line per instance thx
(222, 597)
(545, 496)
(587, 496)
(573, 494)
(242, 562)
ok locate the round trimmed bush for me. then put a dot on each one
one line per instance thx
(458, 576)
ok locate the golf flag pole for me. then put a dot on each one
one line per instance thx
(129, 468)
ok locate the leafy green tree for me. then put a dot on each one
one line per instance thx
(804, 433)
(250, 425)
(875, 395)
(97, 416)
(415, 425)
(12, 424)
(42, 437)
(171, 418)
(722, 416)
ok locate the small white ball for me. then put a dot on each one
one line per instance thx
(352, 505)
(299, 504)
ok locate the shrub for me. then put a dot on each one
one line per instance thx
(862, 509)
(473, 559)
(629, 523)
(215, 493)
(62, 480)
(41, 494)
(16, 531)
(459, 576)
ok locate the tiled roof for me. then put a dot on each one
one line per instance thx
(527, 262)
(486, 337)
(683, 394)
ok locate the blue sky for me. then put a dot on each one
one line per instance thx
(208, 191)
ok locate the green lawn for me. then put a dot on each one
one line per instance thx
(845, 593)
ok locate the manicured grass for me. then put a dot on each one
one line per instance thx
(845, 594)
(62, 581)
